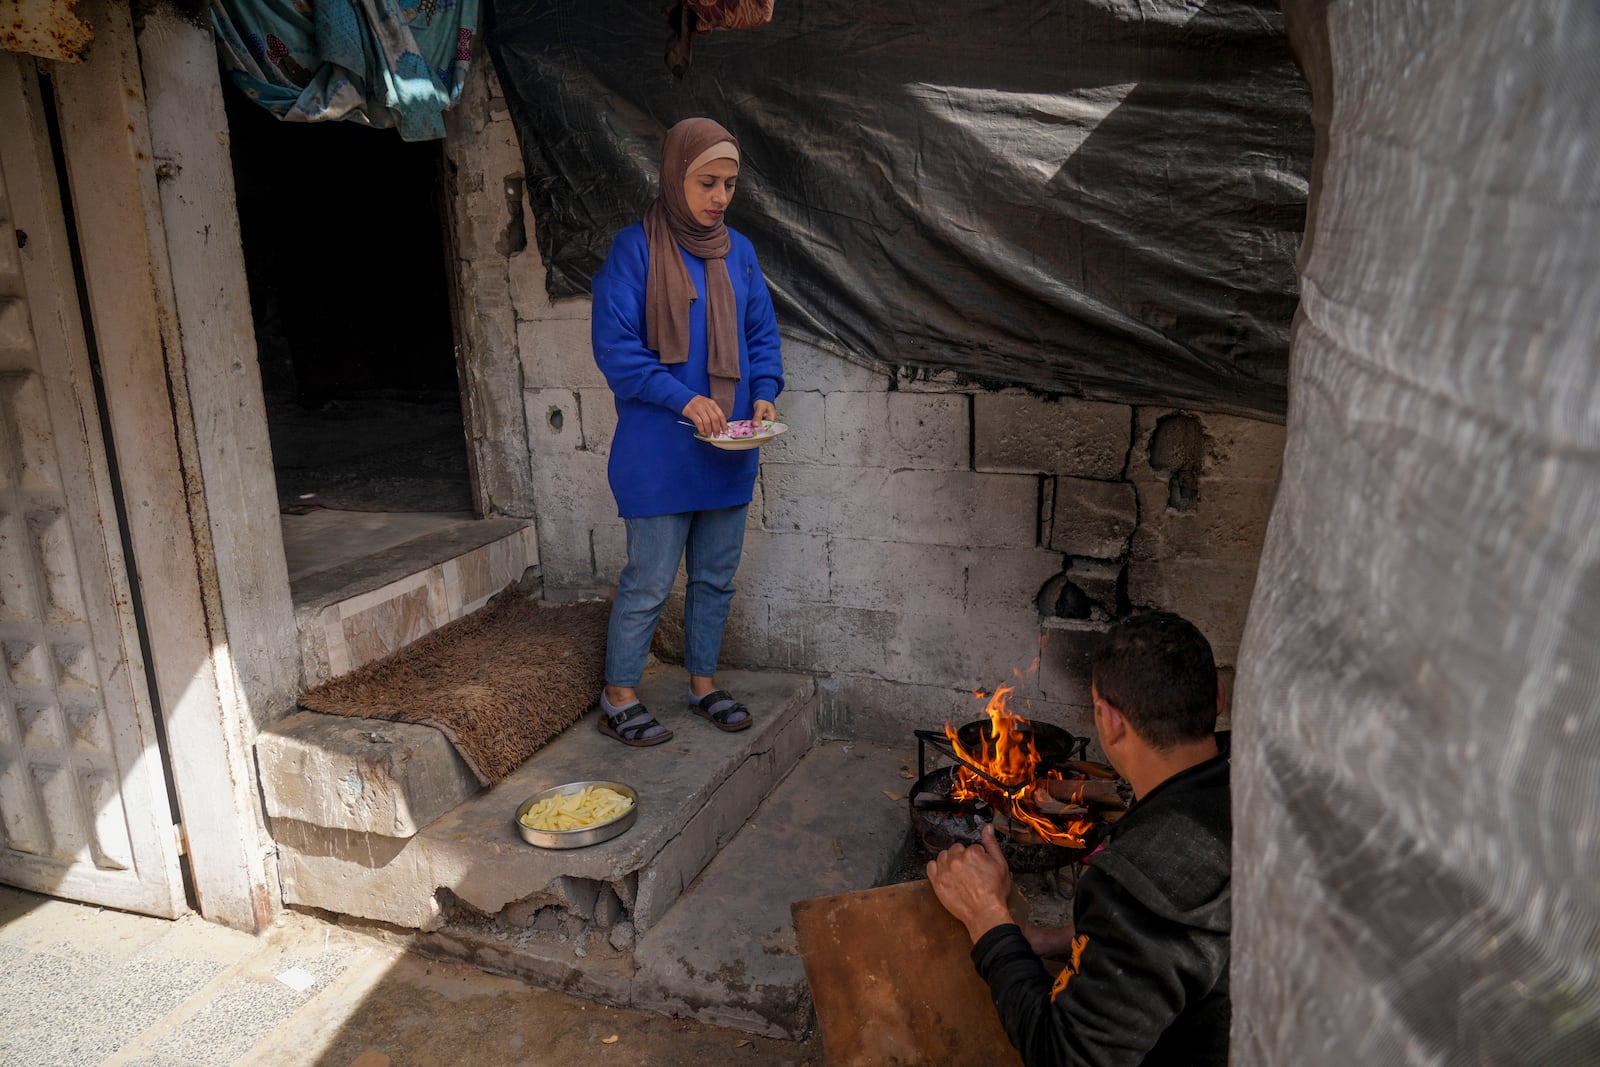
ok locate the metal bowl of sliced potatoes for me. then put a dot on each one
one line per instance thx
(577, 814)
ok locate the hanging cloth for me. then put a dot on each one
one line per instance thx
(690, 17)
(383, 63)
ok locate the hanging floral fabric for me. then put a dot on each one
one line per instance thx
(388, 63)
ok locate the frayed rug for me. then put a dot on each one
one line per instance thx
(499, 683)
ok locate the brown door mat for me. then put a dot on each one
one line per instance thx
(499, 683)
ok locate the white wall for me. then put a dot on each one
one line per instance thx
(903, 530)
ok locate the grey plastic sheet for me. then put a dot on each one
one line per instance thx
(1417, 722)
(1090, 197)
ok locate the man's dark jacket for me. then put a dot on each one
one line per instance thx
(1148, 979)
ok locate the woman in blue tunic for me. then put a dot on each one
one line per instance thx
(683, 332)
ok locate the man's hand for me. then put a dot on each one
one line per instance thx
(973, 883)
(707, 416)
(764, 410)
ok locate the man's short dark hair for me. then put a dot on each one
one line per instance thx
(1157, 669)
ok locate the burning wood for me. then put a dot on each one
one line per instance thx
(1003, 771)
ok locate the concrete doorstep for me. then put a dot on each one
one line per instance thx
(725, 953)
(686, 913)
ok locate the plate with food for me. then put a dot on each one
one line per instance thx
(744, 433)
(577, 814)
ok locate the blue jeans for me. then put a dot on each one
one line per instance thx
(709, 543)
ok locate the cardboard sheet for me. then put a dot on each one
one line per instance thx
(892, 978)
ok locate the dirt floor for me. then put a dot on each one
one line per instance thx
(372, 452)
(81, 986)
(431, 1014)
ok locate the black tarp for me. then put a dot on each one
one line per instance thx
(1091, 197)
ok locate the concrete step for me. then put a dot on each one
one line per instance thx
(726, 952)
(470, 869)
(362, 609)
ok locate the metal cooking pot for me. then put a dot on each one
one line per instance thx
(1054, 745)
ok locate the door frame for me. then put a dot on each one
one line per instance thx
(147, 164)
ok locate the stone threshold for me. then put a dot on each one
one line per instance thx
(363, 609)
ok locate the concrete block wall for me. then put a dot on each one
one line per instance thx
(913, 537)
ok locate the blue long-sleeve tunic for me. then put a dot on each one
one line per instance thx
(657, 466)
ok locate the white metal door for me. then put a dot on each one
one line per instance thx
(84, 812)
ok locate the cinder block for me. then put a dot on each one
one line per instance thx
(555, 423)
(753, 515)
(794, 497)
(820, 639)
(1064, 662)
(1232, 450)
(1005, 581)
(1092, 518)
(899, 430)
(801, 411)
(557, 353)
(1092, 596)
(527, 274)
(744, 639)
(785, 566)
(487, 158)
(1229, 522)
(574, 500)
(608, 545)
(812, 369)
(369, 876)
(887, 713)
(1212, 594)
(1082, 438)
(935, 507)
(1242, 448)
(598, 415)
(964, 652)
(368, 775)
(898, 576)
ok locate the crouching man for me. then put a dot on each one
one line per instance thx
(1145, 979)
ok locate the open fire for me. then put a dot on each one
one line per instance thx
(1026, 778)
(1011, 780)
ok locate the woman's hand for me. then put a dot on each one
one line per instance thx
(973, 883)
(707, 416)
(764, 411)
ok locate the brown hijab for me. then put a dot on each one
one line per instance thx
(668, 289)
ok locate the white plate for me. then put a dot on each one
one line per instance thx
(769, 430)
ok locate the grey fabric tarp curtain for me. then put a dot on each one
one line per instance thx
(1417, 722)
(1096, 197)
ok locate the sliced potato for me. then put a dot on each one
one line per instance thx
(591, 806)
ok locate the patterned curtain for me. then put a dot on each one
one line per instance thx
(388, 63)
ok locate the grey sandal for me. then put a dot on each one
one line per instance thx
(721, 710)
(632, 725)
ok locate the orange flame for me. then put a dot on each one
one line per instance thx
(1011, 760)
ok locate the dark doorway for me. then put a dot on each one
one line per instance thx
(349, 289)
